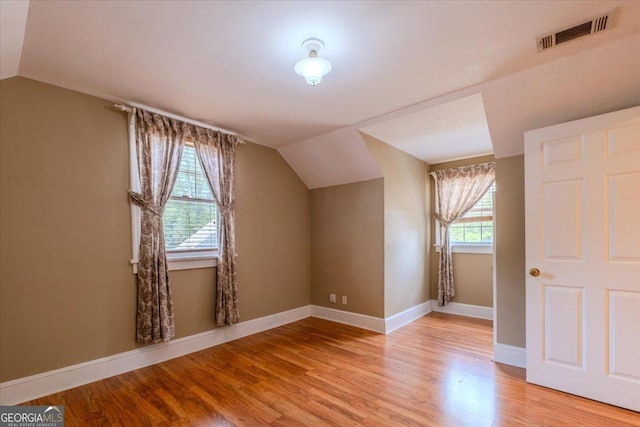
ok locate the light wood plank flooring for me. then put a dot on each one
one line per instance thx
(436, 371)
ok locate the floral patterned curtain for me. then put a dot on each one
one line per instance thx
(457, 190)
(159, 142)
(217, 152)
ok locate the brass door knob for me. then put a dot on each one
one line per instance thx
(534, 272)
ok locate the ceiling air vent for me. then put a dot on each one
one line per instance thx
(591, 26)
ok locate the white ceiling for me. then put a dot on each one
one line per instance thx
(584, 84)
(230, 64)
(449, 131)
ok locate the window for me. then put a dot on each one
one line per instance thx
(476, 226)
(190, 217)
(474, 231)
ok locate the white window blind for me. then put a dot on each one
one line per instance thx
(190, 216)
(476, 226)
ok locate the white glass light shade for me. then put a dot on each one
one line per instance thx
(312, 69)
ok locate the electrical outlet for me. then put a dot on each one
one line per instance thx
(332, 298)
(344, 299)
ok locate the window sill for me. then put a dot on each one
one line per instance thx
(469, 249)
(187, 261)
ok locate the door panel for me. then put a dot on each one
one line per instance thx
(623, 141)
(562, 210)
(582, 220)
(563, 308)
(562, 151)
(623, 233)
(624, 335)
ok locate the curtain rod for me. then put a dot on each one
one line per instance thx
(129, 109)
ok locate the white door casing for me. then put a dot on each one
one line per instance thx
(582, 214)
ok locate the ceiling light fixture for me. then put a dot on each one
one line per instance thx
(313, 67)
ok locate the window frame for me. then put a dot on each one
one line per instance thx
(192, 254)
(469, 247)
(175, 260)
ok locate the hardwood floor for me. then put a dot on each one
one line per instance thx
(436, 371)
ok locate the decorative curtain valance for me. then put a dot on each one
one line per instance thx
(159, 141)
(457, 190)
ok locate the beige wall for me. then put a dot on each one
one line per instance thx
(473, 273)
(347, 240)
(67, 292)
(510, 251)
(406, 229)
(273, 223)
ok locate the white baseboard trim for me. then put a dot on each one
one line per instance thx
(510, 355)
(464, 310)
(376, 324)
(405, 317)
(35, 386)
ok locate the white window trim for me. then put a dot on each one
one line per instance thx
(468, 248)
(175, 260)
(187, 261)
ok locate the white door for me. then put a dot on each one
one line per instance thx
(582, 198)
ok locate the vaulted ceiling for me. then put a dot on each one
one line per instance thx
(230, 64)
